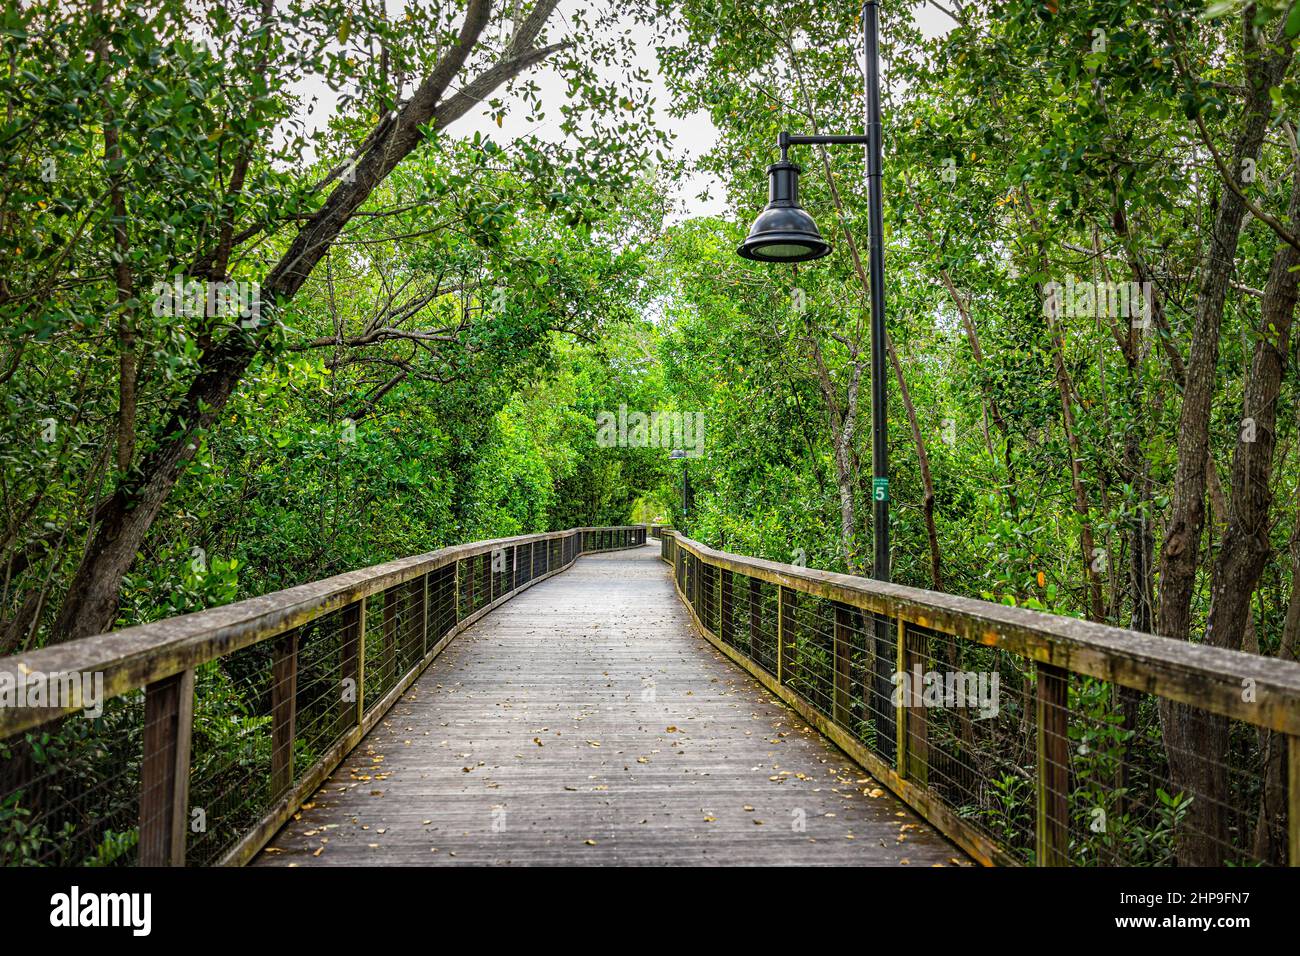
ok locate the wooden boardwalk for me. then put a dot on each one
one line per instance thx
(585, 722)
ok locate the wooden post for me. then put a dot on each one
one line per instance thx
(726, 626)
(787, 662)
(755, 614)
(1293, 799)
(1053, 829)
(165, 769)
(284, 711)
(843, 649)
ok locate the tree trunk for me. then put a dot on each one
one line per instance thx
(1191, 733)
(92, 597)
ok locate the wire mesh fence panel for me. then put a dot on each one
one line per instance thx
(500, 560)
(1135, 796)
(811, 648)
(733, 622)
(970, 733)
(325, 703)
(475, 584)
(760, 612)
(484, 571)
(70, 789)
(708, 599)
(523, 564)
(879, 663)
(382, 622)
(442, 601)
(230, 765)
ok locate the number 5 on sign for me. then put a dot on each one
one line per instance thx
(880, 489)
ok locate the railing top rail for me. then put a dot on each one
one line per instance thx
(136, 656)
(1260, 690)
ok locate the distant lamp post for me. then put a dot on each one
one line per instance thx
(784, 232)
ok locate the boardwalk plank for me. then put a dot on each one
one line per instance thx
(583, 722)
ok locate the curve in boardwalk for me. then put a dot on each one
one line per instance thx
(585, 722)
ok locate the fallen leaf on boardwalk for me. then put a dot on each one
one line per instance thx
(538, 741)
(589, 842)
(671, 730)
(710, 819)
(642, 760)
(748, 808)
(319, 851)
(877, 792)
(376, 793)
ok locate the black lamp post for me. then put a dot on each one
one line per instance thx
(784, 232)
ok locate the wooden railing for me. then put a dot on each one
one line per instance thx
(214, 727)
(1066, 763)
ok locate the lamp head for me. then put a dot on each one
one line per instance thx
(783, 231)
